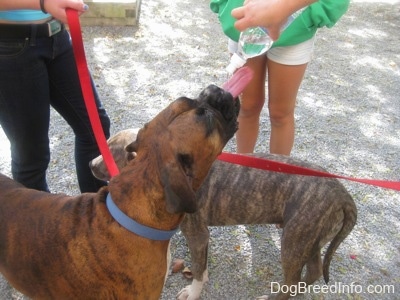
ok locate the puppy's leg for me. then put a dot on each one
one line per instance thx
(292, 276)
(197, 240)
(314, 269)
(294, 255)
(289, 287)
(314, 272)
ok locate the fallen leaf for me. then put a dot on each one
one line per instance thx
(384, 272)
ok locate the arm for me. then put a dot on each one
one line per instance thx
(54, 7)
(271, 14)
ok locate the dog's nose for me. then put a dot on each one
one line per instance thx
(214, 95)
(220, 100)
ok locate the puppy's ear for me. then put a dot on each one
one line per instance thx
(130, 156)
(178, 190)
(132, 147)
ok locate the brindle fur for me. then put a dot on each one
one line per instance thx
(54, 246)
(312, 211)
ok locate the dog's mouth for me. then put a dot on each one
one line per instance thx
(225, 106)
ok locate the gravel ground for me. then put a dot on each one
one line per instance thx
(348, 121)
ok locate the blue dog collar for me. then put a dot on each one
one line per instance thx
(135, 227)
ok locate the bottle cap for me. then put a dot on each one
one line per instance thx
(235, 63)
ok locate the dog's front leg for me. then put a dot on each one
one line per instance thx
(197, 240)
(169, 260)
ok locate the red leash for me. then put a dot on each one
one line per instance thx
(270, 165)
(84, 77)
(240, 159)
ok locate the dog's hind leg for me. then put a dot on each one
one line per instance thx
(294, 257)
(314, 269)
(292, 277)
(292, 268)
(290, 286)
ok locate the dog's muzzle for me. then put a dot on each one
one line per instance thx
(226, 106)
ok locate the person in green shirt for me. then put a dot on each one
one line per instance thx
(285, 63)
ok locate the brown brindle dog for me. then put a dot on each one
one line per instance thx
(61, 247)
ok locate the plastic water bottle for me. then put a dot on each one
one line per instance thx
(252, 42)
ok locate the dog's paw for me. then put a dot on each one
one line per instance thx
(187, 294)
(183, 294)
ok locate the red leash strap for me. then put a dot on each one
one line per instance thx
(84, 77)
(270, 165)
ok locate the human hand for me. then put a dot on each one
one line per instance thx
(271, 14)
(57, 8)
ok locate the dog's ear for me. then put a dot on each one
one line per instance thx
(130, 151)
(130, 156)
(177, 107)
(179, 194)
(132, 147)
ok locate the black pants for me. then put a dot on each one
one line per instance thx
(37, 72)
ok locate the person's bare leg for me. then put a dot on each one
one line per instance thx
(283, 84)
(252, 102)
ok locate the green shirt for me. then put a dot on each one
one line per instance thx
(304, 26)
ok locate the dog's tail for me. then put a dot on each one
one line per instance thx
(349, 220)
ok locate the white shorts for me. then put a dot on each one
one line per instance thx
(289, 55)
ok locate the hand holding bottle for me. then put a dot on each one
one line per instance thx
(253, 41)
(271, 14)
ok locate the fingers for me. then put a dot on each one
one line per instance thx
(238, 13)
(58, 8)
(253, 15)
(85, 8)
(274, 33)
(78, 5)
(241, 25)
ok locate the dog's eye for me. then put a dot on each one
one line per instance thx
(186, 161)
